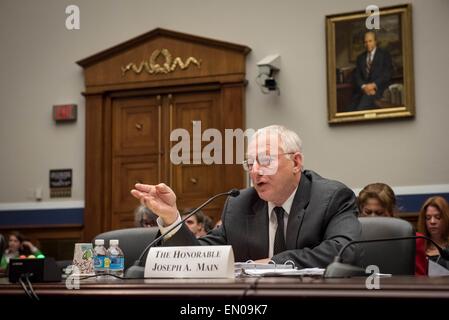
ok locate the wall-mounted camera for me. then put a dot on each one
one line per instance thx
(268, 68)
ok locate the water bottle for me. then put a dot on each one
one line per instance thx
(100, 257)
(116, 259)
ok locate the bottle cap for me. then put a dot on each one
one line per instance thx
(99, 242)
(113, 242)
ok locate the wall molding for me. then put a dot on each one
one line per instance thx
(415, 190)
(45, 205)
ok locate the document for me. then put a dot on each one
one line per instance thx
(271, 269)
(284, 272)
(436, 270)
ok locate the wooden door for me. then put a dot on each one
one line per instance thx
(141, 128)
(136, 93)
(136, 153)
(197, 179)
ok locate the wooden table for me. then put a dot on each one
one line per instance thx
(321, 295)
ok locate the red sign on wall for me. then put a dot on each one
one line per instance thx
(64, 112)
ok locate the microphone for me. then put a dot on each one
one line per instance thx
(338, 269)
(137, 270)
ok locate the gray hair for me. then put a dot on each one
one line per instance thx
(141, 213)
(288, 139)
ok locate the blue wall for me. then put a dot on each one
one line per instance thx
(41, 217)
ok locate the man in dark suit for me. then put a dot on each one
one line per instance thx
(289, 214)
(372, 75)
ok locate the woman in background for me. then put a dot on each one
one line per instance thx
(17, 246)
(434, 223)
(379, 200)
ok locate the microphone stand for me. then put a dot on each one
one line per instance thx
(137, 270)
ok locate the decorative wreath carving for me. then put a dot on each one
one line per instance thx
(168, 66)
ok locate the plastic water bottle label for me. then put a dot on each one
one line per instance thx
(107, 262)
(117, 263)
(99, 262)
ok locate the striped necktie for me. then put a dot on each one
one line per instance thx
(369, 62)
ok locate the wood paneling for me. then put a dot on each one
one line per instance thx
(136, 125)
(216, 58)
(130, 116)
(94, 167)
(127, 171)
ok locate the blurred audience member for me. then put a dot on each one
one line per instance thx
(218, 224)
(208, 223)
(2, 249)
(434, 223)
(200, 224)
(379, 200)
(144, 217)
(17, 246)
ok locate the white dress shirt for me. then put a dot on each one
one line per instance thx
(372, 53)
(163, 228)
(368, 54)
(273, 223)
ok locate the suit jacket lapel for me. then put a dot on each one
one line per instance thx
(297, 211)
(257, 230)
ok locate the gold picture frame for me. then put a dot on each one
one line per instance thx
(385, 88)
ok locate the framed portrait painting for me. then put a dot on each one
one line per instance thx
(370, 71)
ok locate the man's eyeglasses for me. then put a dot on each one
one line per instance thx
(262, 160)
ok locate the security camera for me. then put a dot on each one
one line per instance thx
(269, 64)
(268, 67)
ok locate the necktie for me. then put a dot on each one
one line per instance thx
(279, 240)
(369, 62)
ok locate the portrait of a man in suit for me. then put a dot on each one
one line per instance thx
(372, 75)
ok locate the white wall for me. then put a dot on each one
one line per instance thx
(38, 70)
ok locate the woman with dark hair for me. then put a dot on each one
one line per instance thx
(17, 246)
(378, 200)
(434, 223)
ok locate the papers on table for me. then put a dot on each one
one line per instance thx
(436, 270)
(284, 272)
(273, 270)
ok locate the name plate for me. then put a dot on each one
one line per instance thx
(190, 262)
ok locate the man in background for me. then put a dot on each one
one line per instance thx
(372, 75)
(199, 224)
